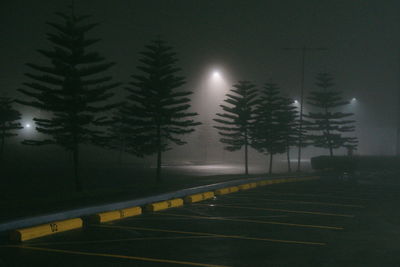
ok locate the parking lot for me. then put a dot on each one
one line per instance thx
(310, 223)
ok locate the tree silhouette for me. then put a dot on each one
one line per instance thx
(267, 135)
(119, 133)
(238, 118)
(288, 119)
(70, 89)
(327, 125)
(9, 122)
(157, 113)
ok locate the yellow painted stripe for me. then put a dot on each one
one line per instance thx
(253, 185)
(256, 221)
(115, 215)
(244, 186)
(222, 191)
(45, 229)
(173, 203)
(226, 190)
(118, 256)
(199, 197)
(265, 182)
(233, 189)
(281, 210)
(215, 235)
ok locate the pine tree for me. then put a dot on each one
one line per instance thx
(9, 122)
(267, 135)
(70, 89)
(119, 134)
(327, 125)
(157, 112)
(288, 119)
(238, 118)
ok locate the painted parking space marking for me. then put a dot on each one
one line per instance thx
(214, 235)
(279, 210)
(314, 195)
(73, 252)
(299, 201)
(152, 218)
(120, 240)
(257, 221)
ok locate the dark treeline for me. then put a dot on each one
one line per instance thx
(77, 97)
(269, 122)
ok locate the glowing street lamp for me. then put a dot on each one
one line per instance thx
(216, 74)
(27, 126)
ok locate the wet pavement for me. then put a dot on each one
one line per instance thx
(312, 223)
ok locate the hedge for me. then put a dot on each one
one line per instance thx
(353, 163)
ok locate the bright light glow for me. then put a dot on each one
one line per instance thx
(27, 125)
(216, 74)
(296, 102)
(353, 99)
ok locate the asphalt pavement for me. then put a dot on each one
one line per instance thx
(311, 223)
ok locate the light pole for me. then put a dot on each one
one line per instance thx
(303, 50)
(216, 89)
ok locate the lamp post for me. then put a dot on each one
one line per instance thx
(303, 50)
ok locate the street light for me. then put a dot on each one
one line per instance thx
(303, 49)
(216, 74)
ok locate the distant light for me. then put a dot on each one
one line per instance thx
(353, 99)
(27, 125)
(296, 102)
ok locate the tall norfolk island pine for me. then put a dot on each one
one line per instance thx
(238, 118)
(268, 135)
(70, 89)
(9, 122)
(327, 125)
(157, 112)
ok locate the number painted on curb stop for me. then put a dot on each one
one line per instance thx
(121, 213)
(53, 227)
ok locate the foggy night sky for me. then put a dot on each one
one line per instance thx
(244, 39)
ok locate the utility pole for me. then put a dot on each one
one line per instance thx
(303, 50)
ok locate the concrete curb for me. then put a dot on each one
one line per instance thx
(82, 212)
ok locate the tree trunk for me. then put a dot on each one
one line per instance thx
(246, 167)
(288, 158)
(246, 155)
(2, 147)
(158, 170)
(328, 134)
(75, 155)
(3, 134)
(270, 163)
